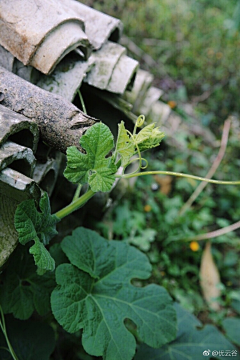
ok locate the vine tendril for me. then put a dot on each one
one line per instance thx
(171, 173)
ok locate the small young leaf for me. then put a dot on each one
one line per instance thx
(149, 137)
(96, 295)
(38, 226)
(190, 343)
(93, 167)
(125, 146)
(31, 340)
(21, 290)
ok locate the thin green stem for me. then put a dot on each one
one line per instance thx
(4, 330)
(4, 348)
(82, 102)
(75, 205)
(171, 173)
(134, 130)
(138, 150)
(77, 192)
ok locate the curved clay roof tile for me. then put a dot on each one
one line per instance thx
(41, 32)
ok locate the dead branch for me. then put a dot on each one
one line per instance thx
(61, 123)
(215, 165)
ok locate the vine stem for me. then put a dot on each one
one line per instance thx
(75, 205)
(213, 169)
(4, 330)
(82, 102)
(77, 192)
(172, 173)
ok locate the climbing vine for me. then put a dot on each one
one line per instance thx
(86, 283)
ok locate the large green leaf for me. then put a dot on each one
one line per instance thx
(21, 290)
(31, 340)
(235, 304)
(232, 329)
(38, 226)
(192, 341)
(96, 295)
(93, 167)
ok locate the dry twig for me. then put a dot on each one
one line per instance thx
(215, 165)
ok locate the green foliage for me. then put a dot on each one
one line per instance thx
(92, 168)
(38, 226)
(235, 304)
(231, 327)
(143, 241)
(95, 168)
(31, 340)
(22, 290)
(147, 207)
(149, 137)
(124, 147)
(30, 224)
(131, 226)
(129, 144)
(191, 341)
(100, 273)
(100, 297)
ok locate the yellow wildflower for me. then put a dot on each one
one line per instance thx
(194, 246)
(147, 208)
(172, 104)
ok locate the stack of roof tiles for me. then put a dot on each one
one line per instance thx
(60, 46)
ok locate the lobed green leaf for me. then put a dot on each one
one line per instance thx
(31, 224)
(95, 294)
(42, 258)
(93, 167)
(38, 226)
(192, 340)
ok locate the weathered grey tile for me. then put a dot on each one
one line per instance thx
(152, 95)
(67, 77)
(18, 127)
(11, 152)
(105, 60)
(40, 34)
